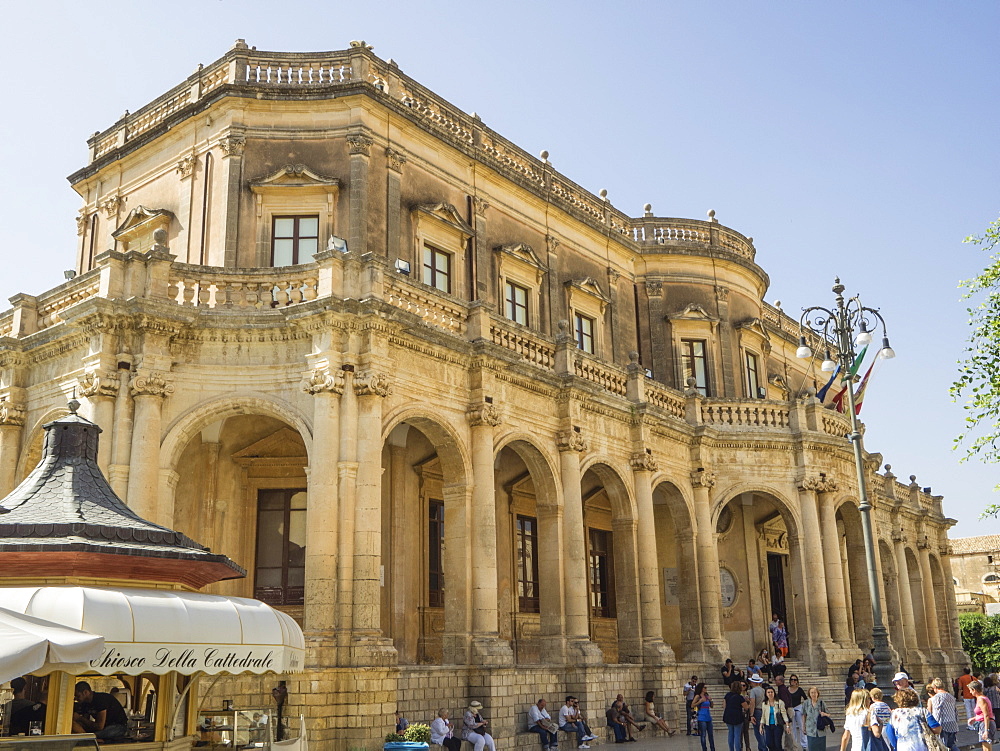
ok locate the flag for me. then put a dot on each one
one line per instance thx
(859, 395)
(838, 400)
(821, 394)
(856, 366)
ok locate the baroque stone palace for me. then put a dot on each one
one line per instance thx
(487, 436)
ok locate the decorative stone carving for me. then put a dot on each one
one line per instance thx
(614, 274)
(359, 144)
(372, 384)
(819, 484)
(322, 380)
(82, 220)
(703, 479)
(722, 293)
(111, 205)
(654, 288)
(484, 414)
(570, 440)
(150, 384)
(11, 414)
(480, 206)
(98, 384)
(551, 243)
(395, 159)
(185, 167)
(643, 462)
(232, 146)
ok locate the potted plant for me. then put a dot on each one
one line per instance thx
(416, 736)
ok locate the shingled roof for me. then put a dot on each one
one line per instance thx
(65, 519)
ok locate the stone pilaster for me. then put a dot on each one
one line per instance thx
(835, 587)
(148, 389)
(952, 628)
(231, 174)
(933, 636)
(654, 650)
(715, 646)
(11, 425)
(121, 437)
(100, 388)
(325, 386)
(359, 146)
(811, 560)
(576, 575)
(905, 596)
(393, 206)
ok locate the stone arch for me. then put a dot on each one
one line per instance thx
(788, 510)
(859, 603)
(427, 486)
(917, 596)
(680, 609)
(539, 462)
(613, 479)
(31, 446)
(187, 424)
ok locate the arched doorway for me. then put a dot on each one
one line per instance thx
(425, 541)
(610, 535)
(680, 612)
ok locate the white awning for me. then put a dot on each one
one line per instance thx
(32, 645)
(159, 631)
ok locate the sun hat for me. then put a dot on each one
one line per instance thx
(756, 678)
(475, 705)
(900, 677)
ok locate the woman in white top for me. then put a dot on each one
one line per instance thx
(854, 720)
(908, 721)
(443, 732)
(654, 718)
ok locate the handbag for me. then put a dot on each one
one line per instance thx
(929, 737)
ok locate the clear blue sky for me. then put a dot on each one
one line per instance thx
(850, 138)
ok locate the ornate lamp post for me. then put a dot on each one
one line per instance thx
(837, 328)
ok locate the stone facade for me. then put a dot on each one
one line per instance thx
(975, 562)
(544, 447)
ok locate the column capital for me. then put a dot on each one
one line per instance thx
(12, 414)
(571, 440)
(643, 461)
(818, 483)
(98, 383)
(484, 414)
(480, 206)
(323, 380)
(232, 145)
(395, 159)
(702, 478)
(150, 383)
(359, 144)
(372, 383)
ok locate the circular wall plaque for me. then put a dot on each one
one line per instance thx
(725, 521)
(728, 587)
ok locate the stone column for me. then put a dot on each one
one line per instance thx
(120, 438)
(835, 588)
(575, 557)
(483, 418)
(326, 386)
(100, 389)
(371, 388)
(643, 466)
(905, 595)
(751, 544)
(148, 391)
(359, 146)
(393, 206)
(716, 647)
(231, 174)
(930, 601)
(812, 561)
(952, 627)
(11, 426)
(347, 472)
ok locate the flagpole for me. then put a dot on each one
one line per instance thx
(836, 327)
(884, 669)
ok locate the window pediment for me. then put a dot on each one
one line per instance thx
(691, 312)
(139, 225)
(522, 260)
(589, 288)
(296, 177)
(443, 213)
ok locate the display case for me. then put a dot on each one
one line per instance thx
(81, 741)
(237, 728)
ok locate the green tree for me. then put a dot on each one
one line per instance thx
(981, 639)
(979, 373)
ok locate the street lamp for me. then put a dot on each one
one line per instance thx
(837, 328)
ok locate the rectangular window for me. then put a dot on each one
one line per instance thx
(753, 378)
(693, 364)
(435, 554)
(294, 239)
(583, 329)
(280, 575)
(516, 298)
(527, 564)
(602, 580)
(437, 268)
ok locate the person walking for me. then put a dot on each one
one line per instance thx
(793, 698)
(781, 639)
(813, 708)
(983, 720)
(909, 721)
(734, 713)
(756, 709)
(775, 718)
(475, 731)
(688, 690)
(855, 717)
(655, 719)
(943, 708)
(963, 682)
(747, 716)
(702, 703)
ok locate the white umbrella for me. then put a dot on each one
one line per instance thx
(30, 645)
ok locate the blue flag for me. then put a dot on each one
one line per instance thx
(821, 394)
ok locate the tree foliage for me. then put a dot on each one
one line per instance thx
(981, 639)
(979, 373)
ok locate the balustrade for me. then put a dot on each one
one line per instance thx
(532, 348)
(429, 306)
(54, 303)
(206, 287)
(667, 399)
(605, 375)
(752, 413)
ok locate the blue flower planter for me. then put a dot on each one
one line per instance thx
(404, 746)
